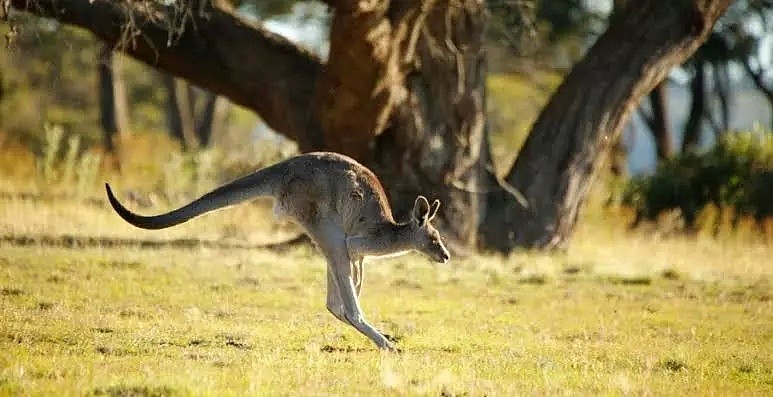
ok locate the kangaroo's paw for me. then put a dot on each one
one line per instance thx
(390, 338)
(390, 347)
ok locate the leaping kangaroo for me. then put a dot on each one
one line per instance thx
(341, 205)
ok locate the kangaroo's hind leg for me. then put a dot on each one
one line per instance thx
(334, 303)
(357, 275)
(331, 241)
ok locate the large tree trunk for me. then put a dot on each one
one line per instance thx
(559, 160)
(436, 144)
(403, 91)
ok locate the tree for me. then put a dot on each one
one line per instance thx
(113, 106)
(555, 168)
(738, 39)
(658, 121)
(403, 91)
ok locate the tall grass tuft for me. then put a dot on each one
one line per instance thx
(89, 167)
(63, 167)
(70, 161)
(48, 159)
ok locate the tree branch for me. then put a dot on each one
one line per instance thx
(213, 49)
(363, 79)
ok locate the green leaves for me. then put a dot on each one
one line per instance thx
(736, 173)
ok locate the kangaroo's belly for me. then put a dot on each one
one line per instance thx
(389, 255)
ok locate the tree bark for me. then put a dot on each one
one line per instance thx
(692, 128)
(113, 111)
(404, 92)
(363, 80)
(436, 141)
(661, 127)
(210, 120)
(559, 160)
(180, 112)
(723, 87)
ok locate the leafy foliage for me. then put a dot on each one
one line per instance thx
(737, 173)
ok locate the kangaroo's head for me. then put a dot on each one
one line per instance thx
(426, 238)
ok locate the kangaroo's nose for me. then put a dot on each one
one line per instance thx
(445, 257)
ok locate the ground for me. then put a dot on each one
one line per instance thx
(620, 313)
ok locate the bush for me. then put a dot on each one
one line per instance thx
(735, 174)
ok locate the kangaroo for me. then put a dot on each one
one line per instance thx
(341, 205)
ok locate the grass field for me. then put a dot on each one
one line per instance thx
(620, 313)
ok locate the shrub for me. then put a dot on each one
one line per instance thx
(735, 174)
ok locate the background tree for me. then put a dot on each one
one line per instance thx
(403, 91)
(113, 106)
(193, 114)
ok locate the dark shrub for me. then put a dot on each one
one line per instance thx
(737, 173)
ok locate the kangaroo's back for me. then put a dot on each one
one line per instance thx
(331, 185)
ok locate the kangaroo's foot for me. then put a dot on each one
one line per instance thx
(390, 338)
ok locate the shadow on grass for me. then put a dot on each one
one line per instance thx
(135, 391)
(77, 242)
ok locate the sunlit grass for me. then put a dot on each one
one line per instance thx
(619, 313)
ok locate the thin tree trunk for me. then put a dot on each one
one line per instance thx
(661, 127)
(723, 89)
(179, 111)
(692, 129)
(113, 107)
(107, 98)
(121, 97)
(211, 118)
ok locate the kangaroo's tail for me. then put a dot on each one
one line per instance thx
(260, 183)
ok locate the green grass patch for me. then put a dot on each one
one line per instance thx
(167, 322)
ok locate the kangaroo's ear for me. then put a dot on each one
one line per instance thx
(421, 210)
(433, 209)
